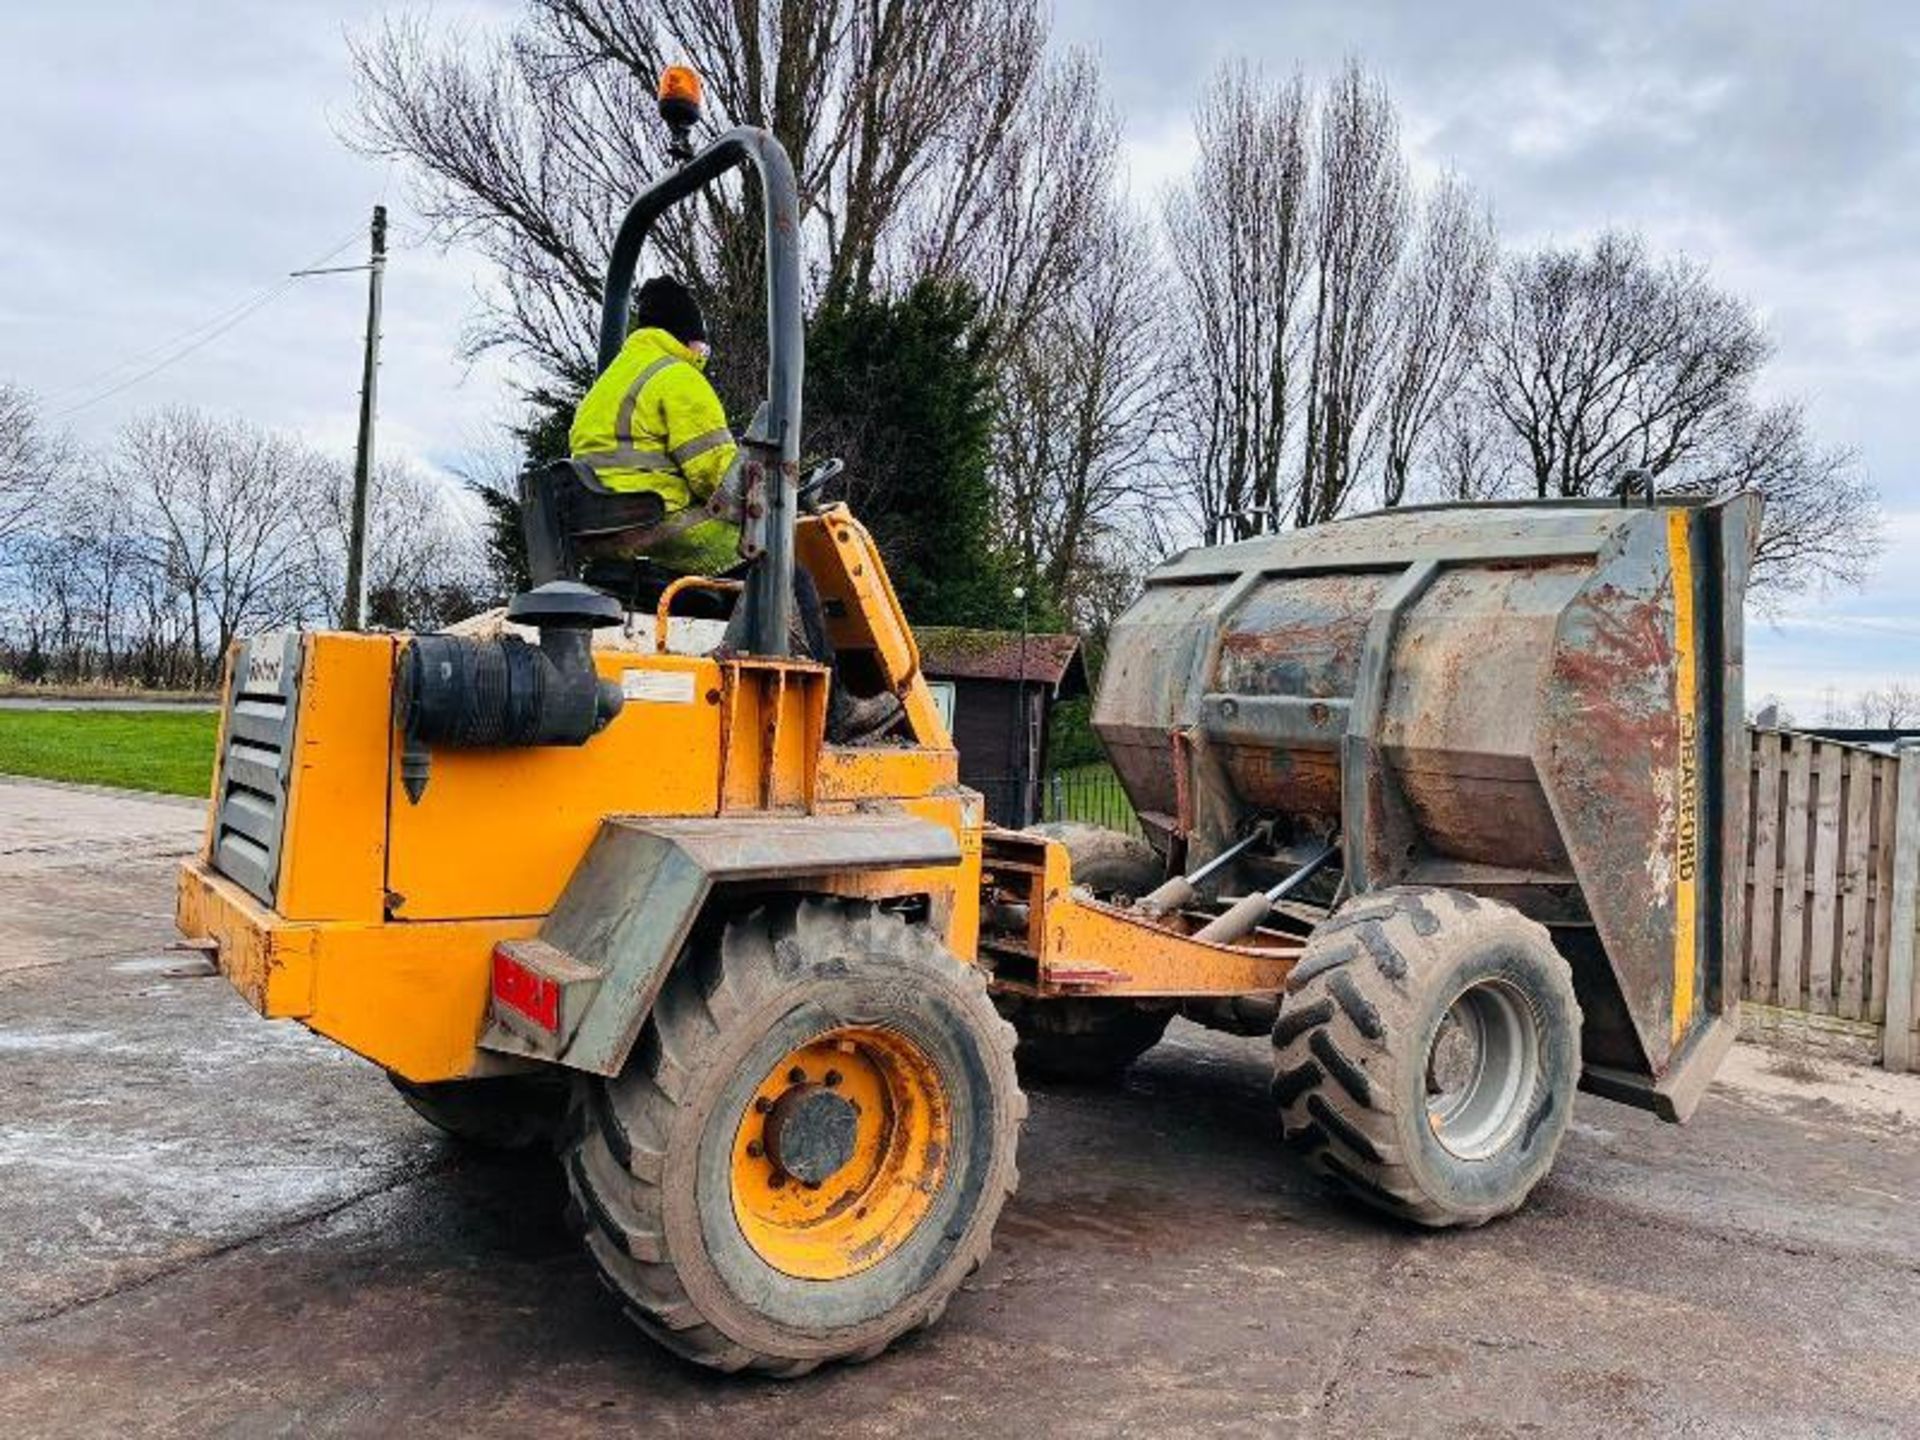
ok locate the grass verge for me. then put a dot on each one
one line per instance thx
(135, 750)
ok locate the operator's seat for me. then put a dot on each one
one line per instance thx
(571, 519)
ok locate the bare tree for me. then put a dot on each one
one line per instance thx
(1360, 228)
(1438, 314)
(31, 460)
(228, 507)
(103, 548)
(423, 547)
(1893, 706)
(1599, 360)
(145, 565)
(1079, 401)
(1821, 521)
(1470, 456)
(1238, 239)
(915, 130)
(86, 595)
(1026, 206)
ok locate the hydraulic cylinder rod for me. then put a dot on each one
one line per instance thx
(1246, 913)
(1182, 890)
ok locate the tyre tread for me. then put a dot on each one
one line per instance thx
(1344, 1029)
(615, 1159)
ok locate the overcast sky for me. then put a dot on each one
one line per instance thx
(163, 163)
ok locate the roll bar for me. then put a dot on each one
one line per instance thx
(771, 446)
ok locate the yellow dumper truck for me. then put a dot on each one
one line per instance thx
(1449, 801)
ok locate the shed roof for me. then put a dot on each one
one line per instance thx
(949, 652)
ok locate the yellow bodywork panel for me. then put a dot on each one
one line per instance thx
(499, 831)
(409, 997)
(337, 795)
(1092, 948)
(864, 614)
(858, 772)
(953, 892)
(1068, 943)
(773, 720)
(387, 911)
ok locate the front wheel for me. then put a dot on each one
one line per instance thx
(1427, 1054)
(809, 1148)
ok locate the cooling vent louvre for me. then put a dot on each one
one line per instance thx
(256, 762)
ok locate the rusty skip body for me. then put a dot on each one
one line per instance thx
(1540, 703)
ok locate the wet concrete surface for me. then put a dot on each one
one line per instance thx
(215, 1225)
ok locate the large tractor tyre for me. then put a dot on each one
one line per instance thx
(1086, 1041)
(1428, 1050)
(810, 1145)
(503, 1112)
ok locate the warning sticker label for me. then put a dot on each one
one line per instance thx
(661, 687)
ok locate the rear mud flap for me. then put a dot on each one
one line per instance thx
(629, 908)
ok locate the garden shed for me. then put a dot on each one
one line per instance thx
(997, 689)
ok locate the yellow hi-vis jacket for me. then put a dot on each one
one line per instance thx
(652, 422)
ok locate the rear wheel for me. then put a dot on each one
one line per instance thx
(1088, 1041)
(808, 1151)
(1427, 1054)
(502, 1112)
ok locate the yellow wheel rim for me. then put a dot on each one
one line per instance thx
(840, 1153)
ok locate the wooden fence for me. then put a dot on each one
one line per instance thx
(1833, 856)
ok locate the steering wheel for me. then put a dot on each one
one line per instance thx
(818, 479)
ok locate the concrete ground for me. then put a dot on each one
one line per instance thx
(215, 1225)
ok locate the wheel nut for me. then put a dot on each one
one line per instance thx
(832, 1078)
(776, 1180)
(762, 1105)
(755, 1149)
(796, 1076)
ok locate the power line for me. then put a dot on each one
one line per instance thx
(185, 342)
(140, 356)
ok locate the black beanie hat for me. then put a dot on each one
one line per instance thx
(664, 303)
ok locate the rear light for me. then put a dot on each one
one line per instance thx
(527, 993)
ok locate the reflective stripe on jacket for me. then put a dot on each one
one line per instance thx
(652, 422)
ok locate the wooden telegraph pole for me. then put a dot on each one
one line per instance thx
(353, 611)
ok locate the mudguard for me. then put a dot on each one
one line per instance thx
(578, 993)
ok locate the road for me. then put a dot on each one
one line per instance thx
(37, 702)
(214, 1225)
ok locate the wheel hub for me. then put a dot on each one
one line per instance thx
(1483, 1064)
(811, 1132)
(1456, 1054)
(840, 1152)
